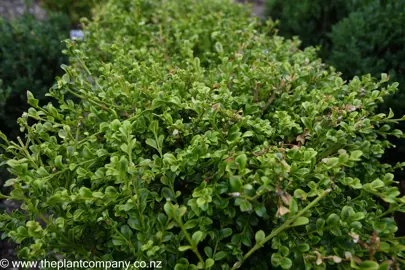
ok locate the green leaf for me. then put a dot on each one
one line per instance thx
(31, 100)
(388, 177)
(62, 133)
(153, 127)
(124, 165)
(196, 237)
(111, 191)
(77, 214)
(384, 78)
(307, 122)
(17, 194)
(286, 263)
(118, 242)
(369, 265)
(260, 235)
(335, 231)
(331, 162)
(260, 210)
(385, 265)
(320, 223)
(347, 213)
(300, 221)
(190, 224)
(135, 224)
(181, 211)
(58, 162)
(236, 183)
(115, 124)
(42, 172)
(241, 160)
(219, 255)
(86, 193)
(169, 209)
(225, 232)
(376, 184)
(332, 220)
(3, 137)
(209, 263)
(245, 206)
(152, 143)
(276, 259)
(219, 47)
(126, 231)
(300, 194)
(397, 133)
(248, 133)
(355, 155)
(303, 248)
(81, 171)
(208, 252)
(293, 207)
(184, 248)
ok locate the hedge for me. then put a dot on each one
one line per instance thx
(198, 141)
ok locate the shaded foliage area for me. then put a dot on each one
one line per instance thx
(357, 37)
(74, 9)
(311, 20)
(371, 40)
(30, 59)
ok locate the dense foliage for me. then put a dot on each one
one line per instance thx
(199, 141)
(370, 41)
(357, 37)
(30, 58)
(311, 20)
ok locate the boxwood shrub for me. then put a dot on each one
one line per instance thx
(371, 40)
(311, 20)
(30, 58)
(197, 140)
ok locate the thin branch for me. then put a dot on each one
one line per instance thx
(280, 229)
(269, 102)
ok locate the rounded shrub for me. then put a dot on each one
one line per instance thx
(371, 41)
(198, 141)
(311, 20)
(30, 57)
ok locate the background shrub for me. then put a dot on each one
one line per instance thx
(371, 40)
(357, 37)
(74, 9)
(199, 141)
(30, 58)
(311, 20)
